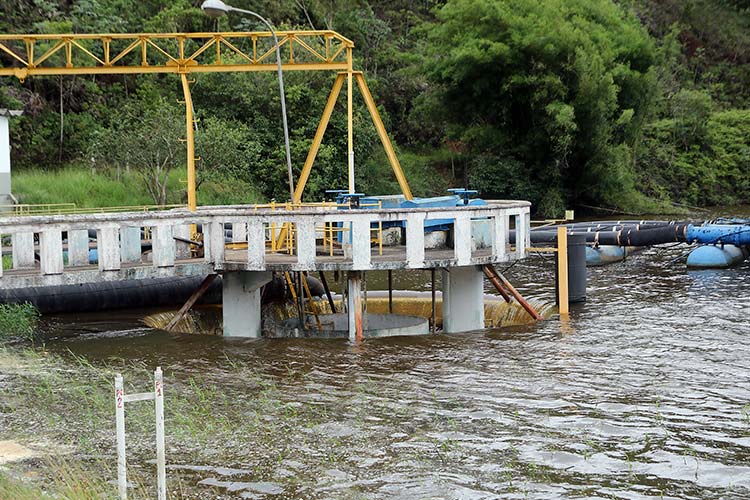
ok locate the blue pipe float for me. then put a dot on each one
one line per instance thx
(722, 245)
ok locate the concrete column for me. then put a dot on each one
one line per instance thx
(183, 249)
(108, 248)
(163, 246)
(521, 230)
(462, 239)
(4, 160)
(354, 305)
(130, 244)
(499, 237)
(305, 244)
(361, 253)
(241, 302)
(78, 247)
(50, 251)
(256, 244)
(23, 250)
(463, 299)
(415, 240)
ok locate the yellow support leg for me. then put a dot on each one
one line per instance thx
(383, 136)
(190, 139)
(318, 139)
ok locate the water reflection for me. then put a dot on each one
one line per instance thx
(642, 392)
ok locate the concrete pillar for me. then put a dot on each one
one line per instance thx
(78, 247)
(130, 244)
(241, 302)
(23, 250)
(354, 305)
(5, 196)
(50, 251)
(463, 299)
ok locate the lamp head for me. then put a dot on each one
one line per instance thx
(215, 8)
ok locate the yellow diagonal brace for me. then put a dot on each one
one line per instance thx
(383, 135)
(190, 139)
(318, 139)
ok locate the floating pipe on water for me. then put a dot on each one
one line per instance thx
(716, 256)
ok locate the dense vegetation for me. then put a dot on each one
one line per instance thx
(632, 104)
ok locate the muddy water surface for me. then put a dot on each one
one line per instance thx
(643, 392)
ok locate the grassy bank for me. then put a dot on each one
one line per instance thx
(89, 189)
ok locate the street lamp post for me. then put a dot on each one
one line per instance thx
(217, 8)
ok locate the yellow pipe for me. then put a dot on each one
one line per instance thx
(392, 158)
(190, 138)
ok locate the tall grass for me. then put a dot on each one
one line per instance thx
(18, 320)
(89, 189)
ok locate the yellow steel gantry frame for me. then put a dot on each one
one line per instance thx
(186, 53)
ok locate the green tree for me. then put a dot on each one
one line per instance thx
(147, 142)
(560, 86)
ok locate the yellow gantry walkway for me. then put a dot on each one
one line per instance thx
(186, 53)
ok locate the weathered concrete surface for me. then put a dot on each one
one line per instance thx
(378, 325)
(463, 299)
(241, 303)
(117, 243)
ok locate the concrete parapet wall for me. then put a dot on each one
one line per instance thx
(52, 248)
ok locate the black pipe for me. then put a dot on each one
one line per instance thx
(625, 237)
(107, 295)
(576, 268)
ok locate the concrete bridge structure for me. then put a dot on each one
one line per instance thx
(54, 250)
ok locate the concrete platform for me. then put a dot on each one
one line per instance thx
(376, 325)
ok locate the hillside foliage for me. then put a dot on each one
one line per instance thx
(624, 104)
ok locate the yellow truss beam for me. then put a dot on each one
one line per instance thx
(185, 53)
(128, 53)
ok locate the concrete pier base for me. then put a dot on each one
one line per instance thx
(463, 299)
(354, 305)
(241, 302)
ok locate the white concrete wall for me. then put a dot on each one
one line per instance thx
(241, 303)
(463, 299)
(4, 158)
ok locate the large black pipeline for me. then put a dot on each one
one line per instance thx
(106, 295)
(627, 237)
(134, 294)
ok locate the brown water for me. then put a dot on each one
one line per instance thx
(643, 392)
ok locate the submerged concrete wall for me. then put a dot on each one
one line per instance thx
(241, 303)
(463, 299)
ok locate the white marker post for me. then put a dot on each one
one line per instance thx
(120, 399)
(161, 470)
(122, 479)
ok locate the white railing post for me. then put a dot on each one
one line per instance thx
(361, 252)
(499, 236)
(78, 247)
(161, 471)
(23, 250)
(122, 480)
(256, 245)
(120, 399)
(215, 244)
(520, 236)
(50, 251)
(462, 239)
(130, 244)
(305, 243)
(415, 240)
(163, 246)
(108, 248)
